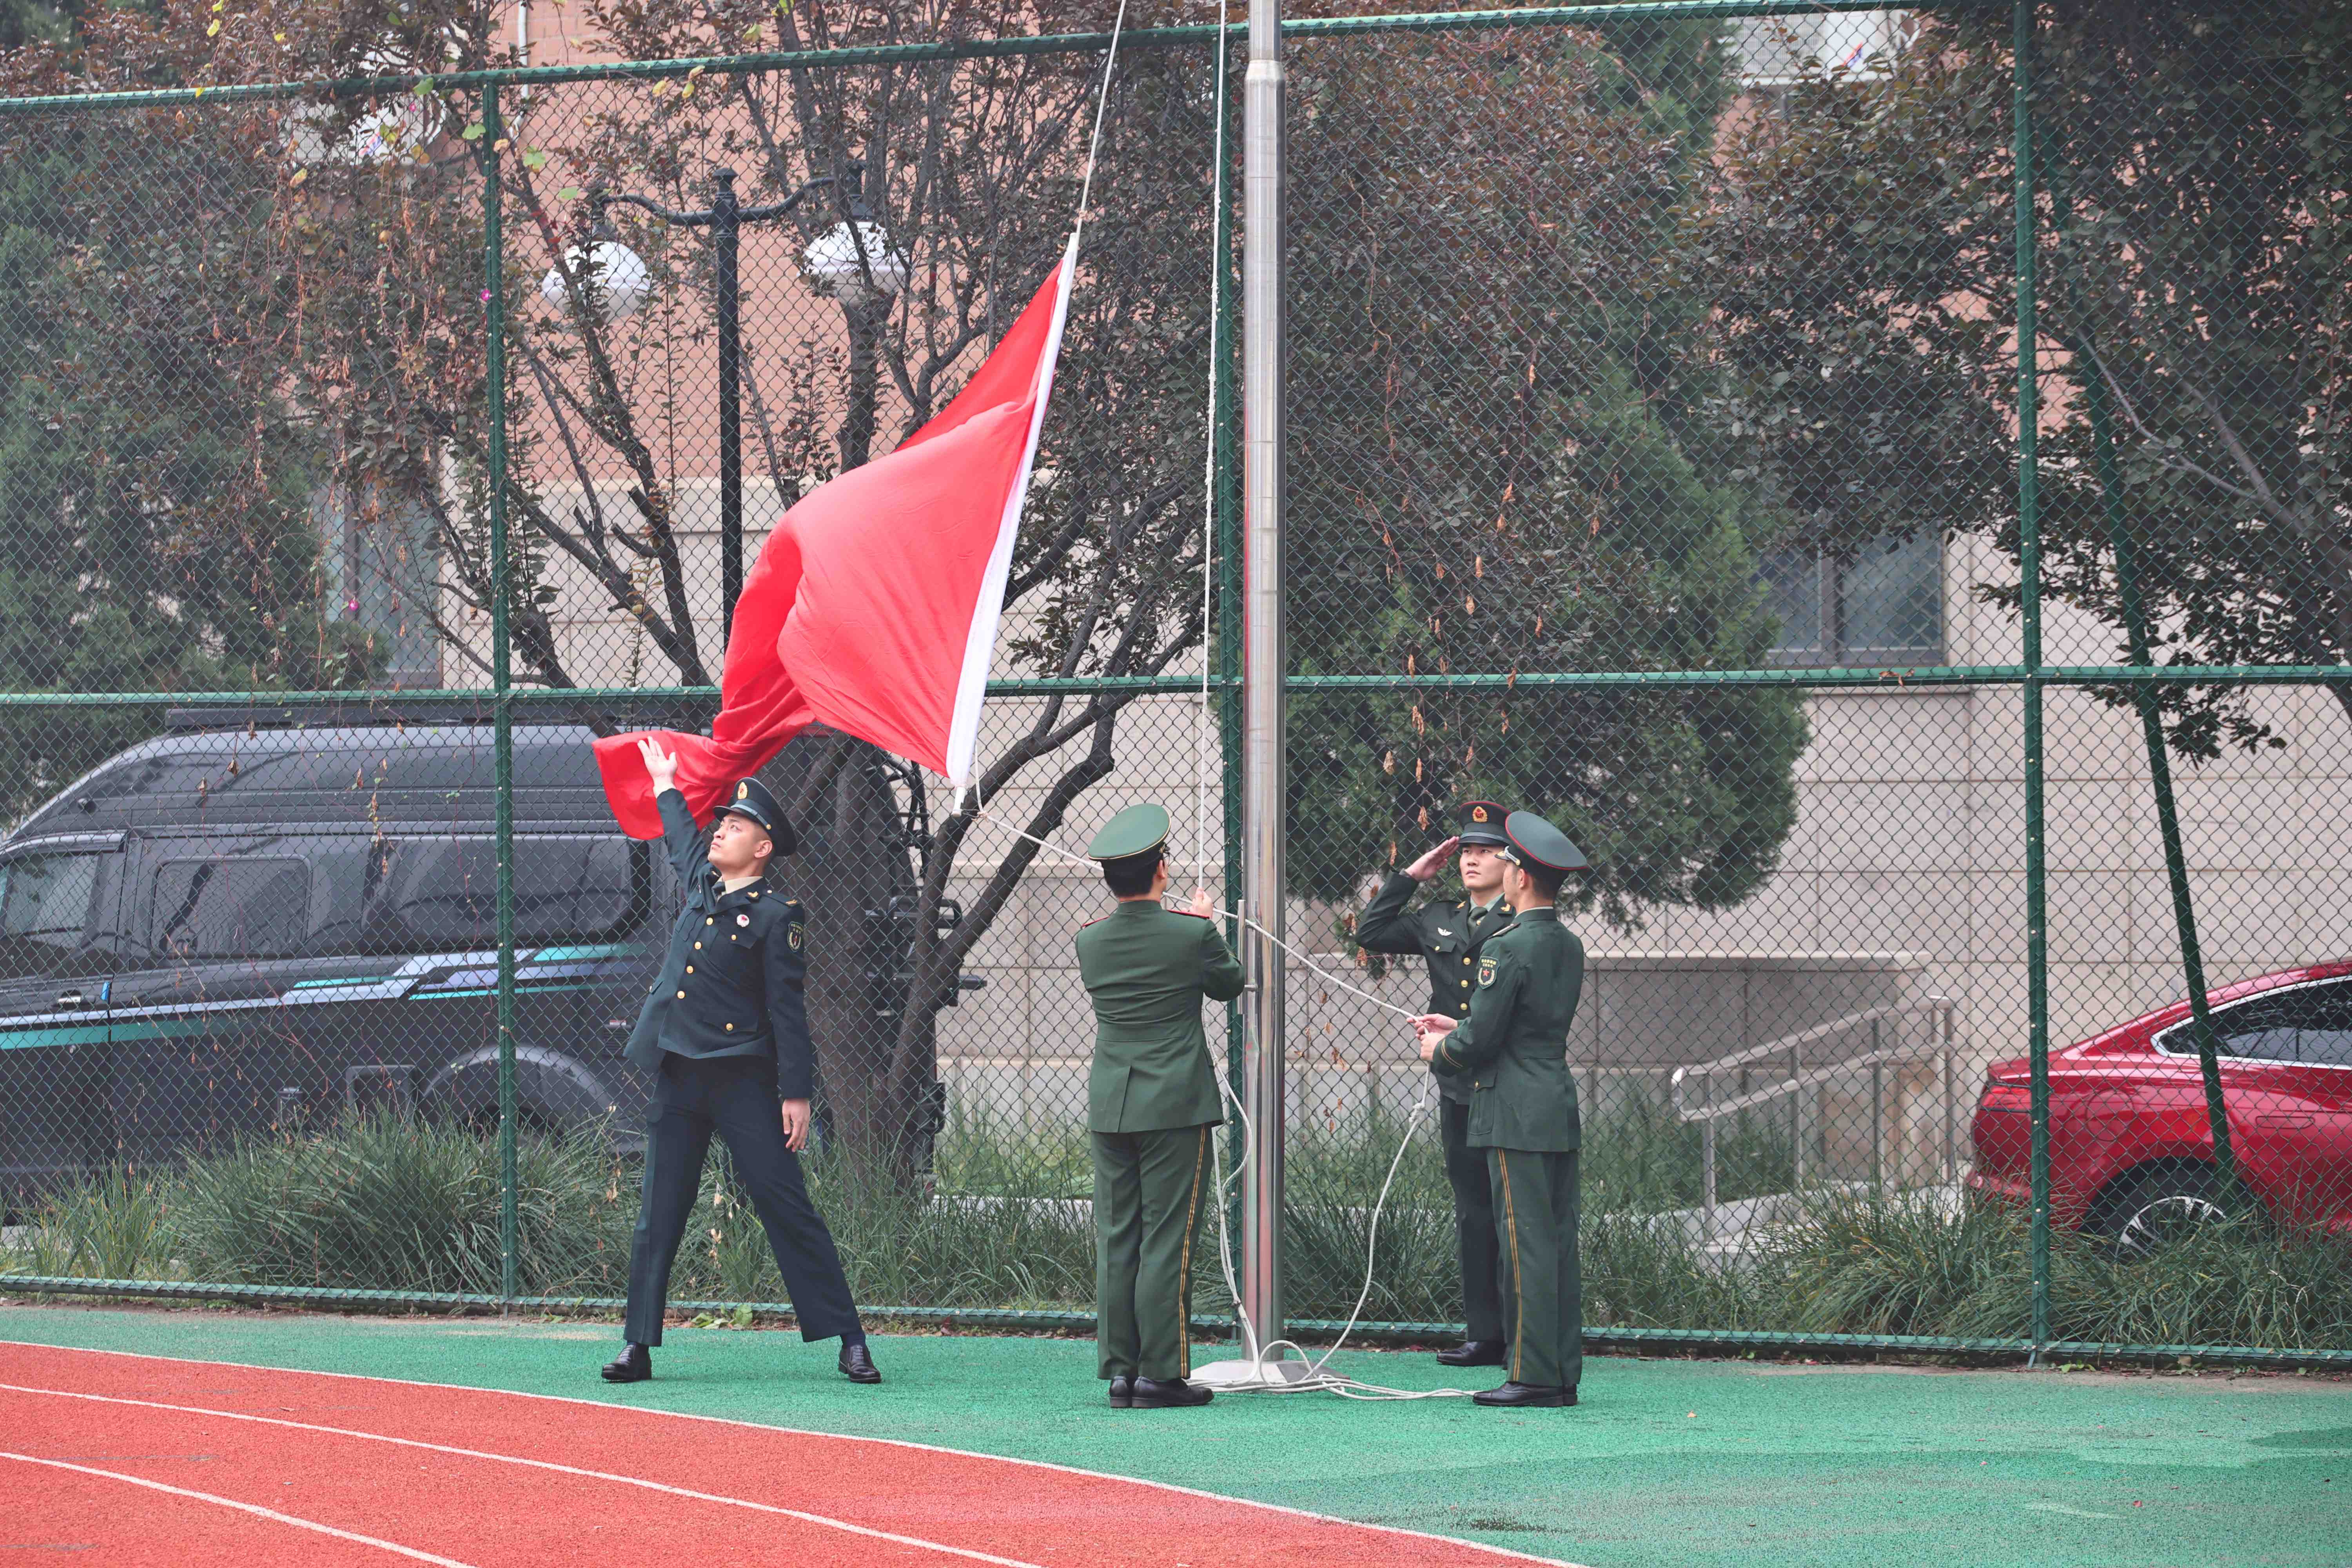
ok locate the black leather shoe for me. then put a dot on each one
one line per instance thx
(633, 1364)
(1167, 1394)
(1476, 1353)
(1122, 1391)
(858, 1366)
(1527, 1396)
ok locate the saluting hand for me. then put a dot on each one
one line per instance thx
(796, 1124)
(1426, 869)
(660, 766)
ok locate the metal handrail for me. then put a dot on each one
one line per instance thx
(1803, 1078)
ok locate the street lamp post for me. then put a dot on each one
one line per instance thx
(853, 262)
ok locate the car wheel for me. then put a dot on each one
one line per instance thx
(2157, 1208)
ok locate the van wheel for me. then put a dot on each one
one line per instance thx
(2156, 1209)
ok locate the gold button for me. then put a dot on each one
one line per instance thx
(1465, 984)
(681, 996)
(690, 969)
(698, 944)
(730, 1028)
(709, 920)
(1466, 963)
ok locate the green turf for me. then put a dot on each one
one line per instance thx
(1666, 1462)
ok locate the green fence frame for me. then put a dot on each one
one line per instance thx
(2031, 676)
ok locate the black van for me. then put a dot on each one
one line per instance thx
(216, 933)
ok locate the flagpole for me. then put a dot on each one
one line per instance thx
(1263, 661)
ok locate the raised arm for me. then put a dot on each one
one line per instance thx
(681, 839)
(1383, 927)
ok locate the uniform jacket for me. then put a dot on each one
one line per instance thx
(1513, 1047)
(730, 985)
(1448, 934)
(1147, 968)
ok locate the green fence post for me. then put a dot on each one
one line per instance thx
(2029, 565)
(501, 670)
(2084, 367)
(2159, 772)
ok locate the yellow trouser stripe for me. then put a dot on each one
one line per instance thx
(1184, 1277)
(1518, 1298)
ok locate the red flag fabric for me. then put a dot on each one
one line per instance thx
(873, 606)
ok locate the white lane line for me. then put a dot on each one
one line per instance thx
(841, 1524)
(252, 1508)
(1223, 1497)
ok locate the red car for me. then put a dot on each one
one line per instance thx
(2131, 1156)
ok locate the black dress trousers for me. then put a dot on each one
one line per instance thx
(1474, 1225)
(736, 1098)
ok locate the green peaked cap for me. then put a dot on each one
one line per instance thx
(1138, 830)
(1535, 841)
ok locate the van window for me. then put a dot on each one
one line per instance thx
(232, 907)
(443, 892)
(46, 908)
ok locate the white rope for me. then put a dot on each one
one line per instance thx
(1208, 471)
(980, 809)
(1102, 102)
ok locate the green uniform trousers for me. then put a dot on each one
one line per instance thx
(1543, 1288)
(1149, 1192)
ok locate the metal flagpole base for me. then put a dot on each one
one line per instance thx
(1280, 1372)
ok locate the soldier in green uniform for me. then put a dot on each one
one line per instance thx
(1513, 1048)
(1449, 933)
(1151, 1109)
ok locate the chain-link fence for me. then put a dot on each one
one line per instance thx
(1656, 398)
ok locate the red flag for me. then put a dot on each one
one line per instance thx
(873, 606)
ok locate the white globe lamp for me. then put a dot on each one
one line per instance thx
(620, 281)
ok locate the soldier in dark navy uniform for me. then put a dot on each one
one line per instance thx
(726, 1030)
(1450, 934)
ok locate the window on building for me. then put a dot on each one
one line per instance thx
(1884, 606)
(379, 574)
(1781, 52)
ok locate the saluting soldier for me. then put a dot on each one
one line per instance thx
(1449, 933)
(1151, 1109)
(726, 1030)
(1513, 1050)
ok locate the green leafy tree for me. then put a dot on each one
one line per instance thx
(1497, 466)
(2197, 266)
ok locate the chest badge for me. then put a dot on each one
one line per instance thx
(1443, 931)
(1486, 970)
(742, 919)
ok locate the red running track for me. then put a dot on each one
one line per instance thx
(141, 1460)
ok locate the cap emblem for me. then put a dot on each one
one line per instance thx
(743, 791)
(1477, 813)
